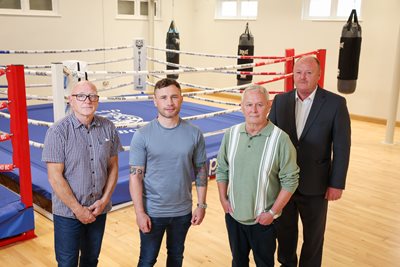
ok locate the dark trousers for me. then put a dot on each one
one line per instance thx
(261, 239)
(312, 211)
(71, 238)
(150, 243)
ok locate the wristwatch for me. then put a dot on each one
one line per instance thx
(274, 215)
(202, 205)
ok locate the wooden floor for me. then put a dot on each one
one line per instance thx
(363, 227)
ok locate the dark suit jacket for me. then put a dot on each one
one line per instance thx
(323, 150)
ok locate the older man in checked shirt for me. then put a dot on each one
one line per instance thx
(81, 152)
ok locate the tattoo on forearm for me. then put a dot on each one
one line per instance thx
(201, 176)
(133, 170)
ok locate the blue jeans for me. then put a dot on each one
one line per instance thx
(71, 237)
(150, 243)
(261, 239)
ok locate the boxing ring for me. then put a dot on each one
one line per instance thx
(131, 111)
(117, 111)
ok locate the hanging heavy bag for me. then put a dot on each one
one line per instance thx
(245, 48)
(349, 55)
(172, 43)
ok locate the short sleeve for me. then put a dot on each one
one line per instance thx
(137, 151)
(54, 147)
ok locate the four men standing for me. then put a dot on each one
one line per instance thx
(257, 173)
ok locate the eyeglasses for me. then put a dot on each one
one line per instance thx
(83, 97)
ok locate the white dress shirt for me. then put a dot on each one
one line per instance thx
(303, 108)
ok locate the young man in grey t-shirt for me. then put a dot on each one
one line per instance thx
(164, 156)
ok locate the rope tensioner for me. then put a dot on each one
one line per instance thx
(3, 104)
(6, 167)
(5, 137)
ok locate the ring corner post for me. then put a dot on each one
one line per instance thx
(321, 56)
(289, 84)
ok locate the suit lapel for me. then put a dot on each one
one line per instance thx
(318, 102)
(291, 109)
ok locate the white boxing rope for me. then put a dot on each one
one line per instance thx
(125, 98)
(215, 132)
(213, 55)
(215, 101)
(64, 50)
(30, 121)
(38, 97)
(115, 86)
(169, 63)
(81, 74)
(222, 71)
(110, 61)
(89, 63)
(36, 144)
(37, 73)
(211, 114)
(38, 85)
(196, 117)
(37, 66)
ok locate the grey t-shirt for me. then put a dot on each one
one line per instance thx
(169, 156)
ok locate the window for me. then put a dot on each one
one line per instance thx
(29, 7)
(136, 9)
(236, 9)
(330, 9)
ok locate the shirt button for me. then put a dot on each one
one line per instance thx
(91, 159)
(249, 146)
(93, 172)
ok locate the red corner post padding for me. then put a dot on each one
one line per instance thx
(20, 144)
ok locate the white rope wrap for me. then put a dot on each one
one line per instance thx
(64, 50)
(212, 55)
(81, 74)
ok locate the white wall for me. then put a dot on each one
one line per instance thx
(92, 23)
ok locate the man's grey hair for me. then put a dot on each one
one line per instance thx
(256, 87)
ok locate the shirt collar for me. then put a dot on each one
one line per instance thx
(311, 96)
(266, 131)
(95, 122)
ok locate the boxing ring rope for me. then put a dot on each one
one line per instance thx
(213, 55)
(57, 72)
(16, 105)
(290, 56)
(64, 50)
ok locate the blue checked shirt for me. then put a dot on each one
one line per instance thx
(85, 154)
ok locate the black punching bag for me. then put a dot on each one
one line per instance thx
(349, 55)
(245, 48)
(172, 43)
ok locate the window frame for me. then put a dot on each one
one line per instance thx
(333, 12)
(137, 15)
(26, 11)
(218, 10)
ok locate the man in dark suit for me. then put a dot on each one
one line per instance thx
(318, 124)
